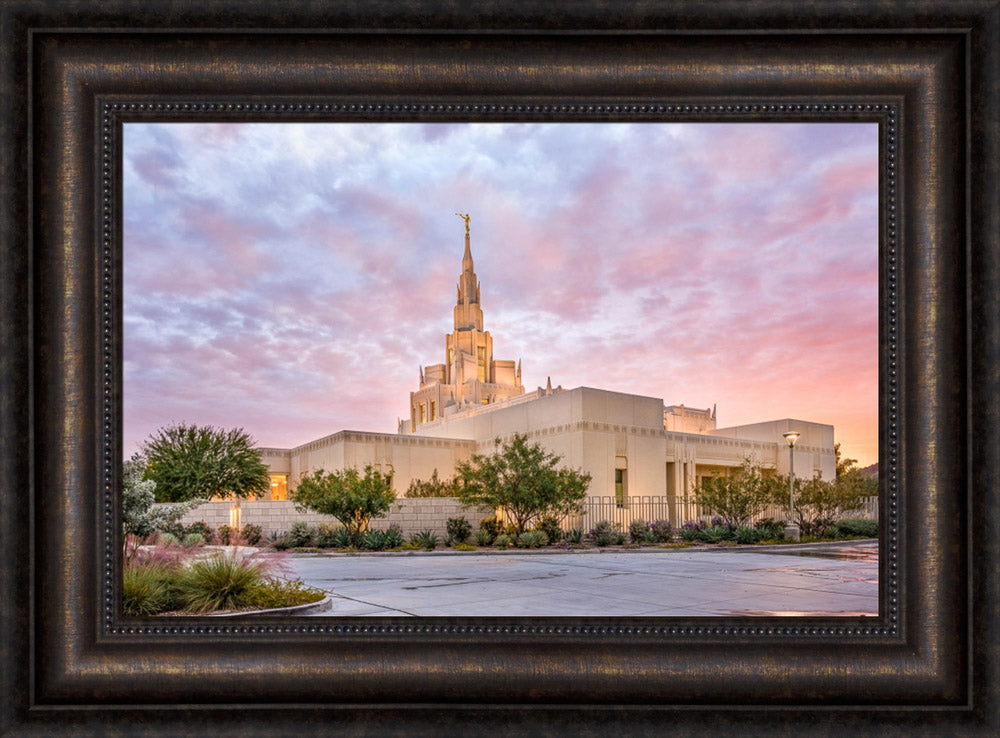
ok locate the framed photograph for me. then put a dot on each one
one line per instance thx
(923, 79)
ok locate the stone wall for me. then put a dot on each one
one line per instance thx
(412, 515)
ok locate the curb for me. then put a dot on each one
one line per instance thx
(322, 606)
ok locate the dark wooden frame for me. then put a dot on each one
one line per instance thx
(926, 70)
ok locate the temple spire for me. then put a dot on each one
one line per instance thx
(467, 256)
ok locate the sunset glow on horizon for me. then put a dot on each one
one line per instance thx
(291, 279)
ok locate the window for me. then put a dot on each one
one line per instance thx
(621, 487)
(481, 361)
(423, 413)
(279, 486)
(433, 409)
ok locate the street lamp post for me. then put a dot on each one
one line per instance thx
(791, 529)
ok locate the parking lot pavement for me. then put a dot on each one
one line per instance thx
(811, 579)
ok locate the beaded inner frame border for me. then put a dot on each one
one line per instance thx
(114, 114)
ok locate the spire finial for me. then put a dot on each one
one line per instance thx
(465, 217)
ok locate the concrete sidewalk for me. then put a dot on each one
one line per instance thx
(809, 579)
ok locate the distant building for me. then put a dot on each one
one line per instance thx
(632, 446)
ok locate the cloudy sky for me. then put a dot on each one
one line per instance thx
(290, 279)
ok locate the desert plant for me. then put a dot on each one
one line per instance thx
(228, 536)
(716, 533)
(549, 525)
(743, 534)
(459, 530)
(607, 533)
(192, 539)
(251, 534)
(203, 529)
(574, 535)
(638, 532)
(738, 496)
(147, 589)
(166, 539)
(139, 518)
(373, 540)
(300, 535)
(662, 531)
(857, 527)
(691, 530)
(502, 541)
(433, 487)
(492, 526)
(770, 530)
(426, 539)
(532, 539)
(217, 583)
(393, 536)
(483, 537)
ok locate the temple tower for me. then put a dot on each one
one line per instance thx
(470, 377)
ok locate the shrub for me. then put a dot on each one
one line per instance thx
(532, 539)
(168, 539)
(300, 535)
(271, 593)
(549, 525)
(227, 535)
(574, 536)
(459, 530)
(690, 531)
(192, 539)
(204, 529)
(661, 531)
(502, 541)
(716, 533)
(638, 532)
(217, 583)
(251, 534)
(857, 527)
(393, 536)
(373, 540)
(748, 535)
(606, 533)
(146, 589)
(492, 526)
(433, 487)
(426, 539)
(770, 530)
(483, 537)
(736, 497)
(464, 547)
(331, 536)
(348, 495)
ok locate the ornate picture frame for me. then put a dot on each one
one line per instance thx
(927, 74)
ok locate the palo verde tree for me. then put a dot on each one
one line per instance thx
(434, 487)
(139, 516)
(201, 462)
(737, 497)
(348, 496)
(524, 480)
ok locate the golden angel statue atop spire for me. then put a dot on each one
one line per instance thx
(465, 217)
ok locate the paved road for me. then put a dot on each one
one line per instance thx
(815, 579)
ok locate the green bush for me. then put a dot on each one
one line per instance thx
(226, 535)
(748, 535)
(393, 536)
(770, 530)
(272, 593)
(251, 534)
(502, 541)
(858, 527)
(202, 528)
(192, 539)
(574, 535)
(639, 532)
(217, 583)
(168, 539)
(458, 529)
(691, 531)
(425, 539)
(483, 537)
(464, 547)
(662, 531)
(300, 535)
(532, 539)
(492, 526)
(373, 540)
(607, 533)
(716, 534)
(329, 535)
(147, 589)
(549, 525)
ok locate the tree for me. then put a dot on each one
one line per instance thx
(139, 517)
(434, 487)
(189, 462)
(523, 480)
(740, 496)
(346, 495)
(818, 503)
